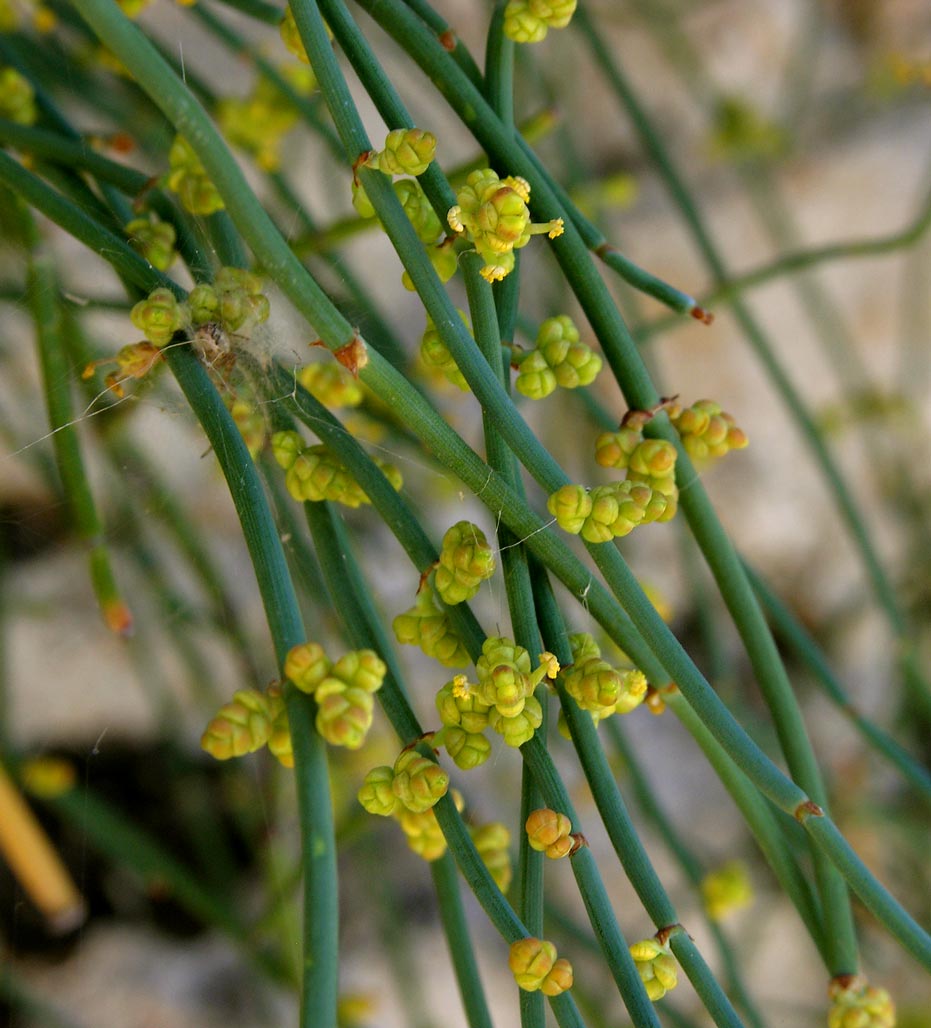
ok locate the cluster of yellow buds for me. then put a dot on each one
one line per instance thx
(133, 361)
(188, 177)
(251, 423)
(726, 889)
(315, 473)
(259, 122)
(856, 1004)
(560, 358)
(650, 462)
(466, 560)
(465, 717)
(493, 213)
(17, 98)
(154, 239)
(344, 691)
(528, 21)
(603, 690)
(331, 384)
(492, 842)
(534, 964)
(607, 511)
(427, 626)
(656, 967)
(435, 354)
(507, 683)
(406, 152)
(234, 301)
(707, 431)
(550, 833)
(598, 687)
(243, 725)
(422, 830)
(415, 783)
(159, 316)
(287, 29)
(408, 792)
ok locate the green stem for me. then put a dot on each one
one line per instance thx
(56, 375)
(807, 650)
(688, 863)
(485, 327)
(461, 951)
(321, 911)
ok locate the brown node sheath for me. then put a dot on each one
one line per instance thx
(353, 356)
(667, 931)
(578, 842)
(448, 40)
(700, 314)
(806, 810)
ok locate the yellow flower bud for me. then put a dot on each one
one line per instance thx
(306, 665)
(376, 794)
(418, 783)
(726, 889)
(241, 726)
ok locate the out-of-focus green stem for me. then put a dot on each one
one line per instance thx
(461, 951)
(810, 654)
(56, 375)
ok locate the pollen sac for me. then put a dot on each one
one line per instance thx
(466, 560)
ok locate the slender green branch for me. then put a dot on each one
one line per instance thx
(56, 375)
